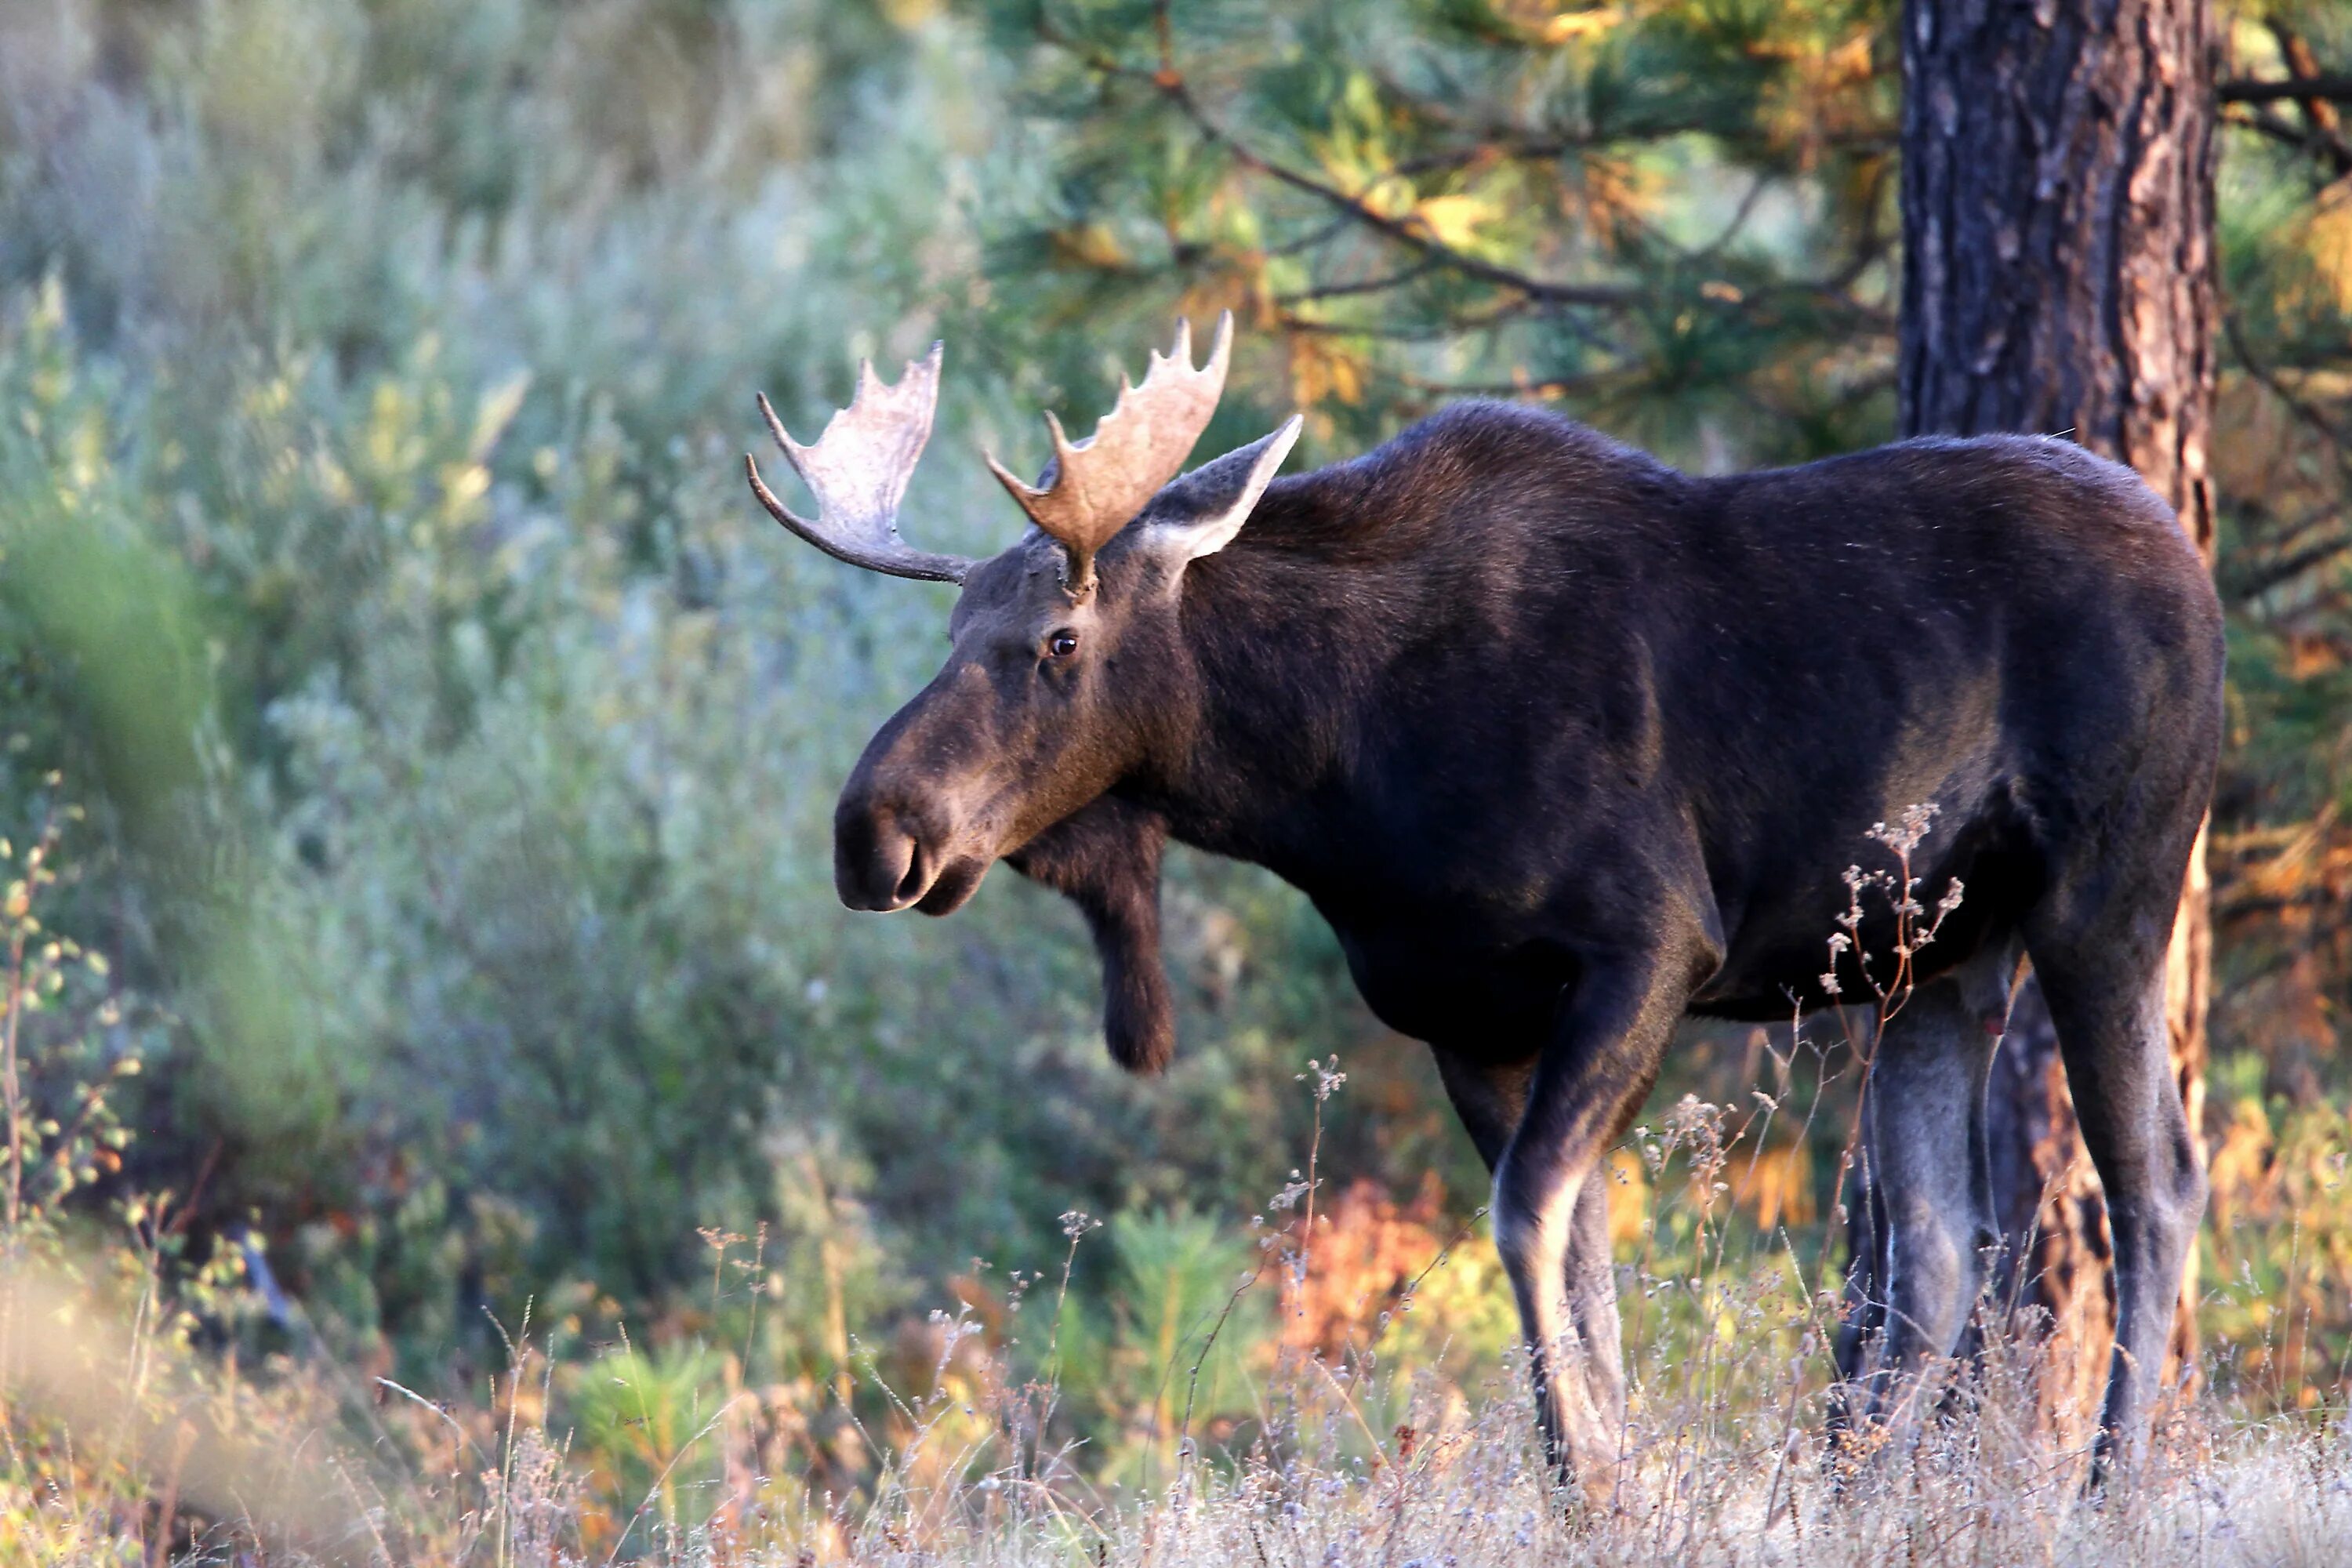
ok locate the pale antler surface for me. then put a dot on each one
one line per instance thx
(858, 470)
(1100, 483)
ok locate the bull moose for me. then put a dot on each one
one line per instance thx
(1566, 744)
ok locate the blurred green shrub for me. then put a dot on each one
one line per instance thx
(375, 379)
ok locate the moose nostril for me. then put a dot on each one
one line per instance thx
(916, 881)
(875, 858)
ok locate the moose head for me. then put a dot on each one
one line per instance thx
(1066, 672)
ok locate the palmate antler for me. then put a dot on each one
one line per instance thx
(858, 469)
(1097, 485)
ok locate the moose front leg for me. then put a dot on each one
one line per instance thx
(1491, 1098)
(1587, 1086)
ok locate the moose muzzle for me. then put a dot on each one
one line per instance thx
(894, 850)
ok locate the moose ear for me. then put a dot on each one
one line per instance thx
(1211, 504)
(1106, 860)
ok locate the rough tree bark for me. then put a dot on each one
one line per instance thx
(2059, 276)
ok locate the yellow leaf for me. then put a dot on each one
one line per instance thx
(1550, 22)
(1453, 221)
(1849, 62)
(1570, 24)
(1385, 195)
(2328, 236)
(1318, 370)
(1090, 245)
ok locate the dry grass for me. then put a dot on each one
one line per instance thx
(1316, 1408)
(116, 1428)
(1359, 1433)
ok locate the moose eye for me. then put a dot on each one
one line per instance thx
(1062, 645)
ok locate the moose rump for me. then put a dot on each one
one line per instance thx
(1566, 744)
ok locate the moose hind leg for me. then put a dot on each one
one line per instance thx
(2106, 1000)
(1924, 1217)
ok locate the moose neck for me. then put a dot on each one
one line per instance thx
(1283, 646)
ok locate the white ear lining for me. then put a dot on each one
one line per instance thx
(1207, 535)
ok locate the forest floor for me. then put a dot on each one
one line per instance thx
(167, 1456)
(2265, 1498)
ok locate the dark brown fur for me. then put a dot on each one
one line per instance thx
(1565, 744)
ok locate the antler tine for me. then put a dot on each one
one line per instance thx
(1100, 483)
(858, 469)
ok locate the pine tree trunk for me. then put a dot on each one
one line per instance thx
(2059, 276)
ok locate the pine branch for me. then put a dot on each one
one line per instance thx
(1403, 231)
(1580, 308)
(2315, 94)
(2329, 151)
(2305, 412)
(2284, 568)
(2322, 88)
(1173, 88)
(1315, 293)
(1522, 144)
(2277, 551)
(1432, 332)
(2252, 584)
